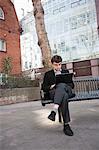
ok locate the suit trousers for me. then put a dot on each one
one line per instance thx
(60, 96)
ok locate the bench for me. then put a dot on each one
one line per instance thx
(85, 88)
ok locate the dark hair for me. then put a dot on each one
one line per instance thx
(56, 58)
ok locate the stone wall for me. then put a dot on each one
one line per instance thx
(17, 95)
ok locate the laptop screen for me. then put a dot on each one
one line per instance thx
(64, 78)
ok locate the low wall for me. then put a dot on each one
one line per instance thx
(86, 87)
(17, 95)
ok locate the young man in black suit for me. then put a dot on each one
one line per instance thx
(60, 93)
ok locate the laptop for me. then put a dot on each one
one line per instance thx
(64, 78)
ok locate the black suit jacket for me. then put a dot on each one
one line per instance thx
(49, 79)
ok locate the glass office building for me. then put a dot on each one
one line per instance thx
(72, 28)
(30, 52)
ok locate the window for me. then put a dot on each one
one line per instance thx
(89, 17)
(1, 14)
(49, 1)
(62, 9)
(63, 46)
(55, 49)
(73, 22)
(73, 47)
(82, 2)
(30, 65)
(66, 25)
(26, 65)
(55, 11)
(58, 27)
(55, 46)
(2, 45)
(74, 4)
(81, 19)
(67, 48)
(35, 57)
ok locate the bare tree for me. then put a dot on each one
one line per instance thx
(41, 32)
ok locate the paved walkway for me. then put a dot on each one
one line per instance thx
(25, 126)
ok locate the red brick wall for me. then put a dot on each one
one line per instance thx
(9, 31)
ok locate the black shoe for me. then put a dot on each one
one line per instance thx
(67, 130)
(52, 116)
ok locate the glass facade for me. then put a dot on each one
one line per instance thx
(72, 28)
(30, 51)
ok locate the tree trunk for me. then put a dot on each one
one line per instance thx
(41, 33)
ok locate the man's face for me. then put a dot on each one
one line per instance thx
(57, 66)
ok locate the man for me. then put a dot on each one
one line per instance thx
(60, 93)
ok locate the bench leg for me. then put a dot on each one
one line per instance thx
(59, 115)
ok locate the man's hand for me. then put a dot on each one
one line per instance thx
(52, 86)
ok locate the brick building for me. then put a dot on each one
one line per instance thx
(9, 36)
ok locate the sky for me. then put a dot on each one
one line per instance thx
(22, 4)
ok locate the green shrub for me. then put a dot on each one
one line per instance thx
(19, 82)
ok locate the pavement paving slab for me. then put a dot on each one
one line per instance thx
(25, 126)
